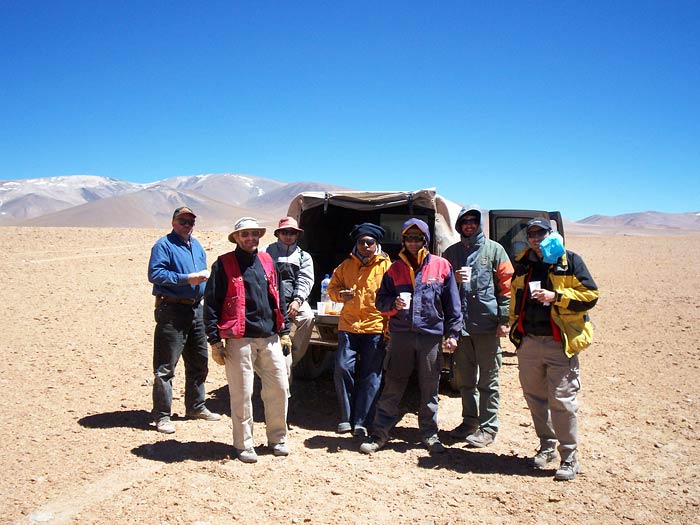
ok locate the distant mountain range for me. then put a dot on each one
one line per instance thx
(218, 199)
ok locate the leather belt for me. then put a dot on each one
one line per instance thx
(176, 300)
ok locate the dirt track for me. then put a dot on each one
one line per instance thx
(79, 446)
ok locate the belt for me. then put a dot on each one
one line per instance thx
(177, 300)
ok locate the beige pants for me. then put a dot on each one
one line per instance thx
(244, 358)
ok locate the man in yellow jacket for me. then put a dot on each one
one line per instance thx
(361, 349)
(549, 326)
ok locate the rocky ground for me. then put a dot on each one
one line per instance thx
(79, 447)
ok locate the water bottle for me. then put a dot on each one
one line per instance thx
(324, 288)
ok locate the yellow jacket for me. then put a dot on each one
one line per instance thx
(359, 314)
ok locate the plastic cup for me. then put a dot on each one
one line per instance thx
(406, 298)
(321, 307)
(467, 272)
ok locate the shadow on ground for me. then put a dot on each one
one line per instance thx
(173, 451)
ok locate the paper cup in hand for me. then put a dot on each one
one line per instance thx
(406, 298)
(535, 285)
(466, 273)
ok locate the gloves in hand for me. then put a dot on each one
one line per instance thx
(286, 343)
(217, 352)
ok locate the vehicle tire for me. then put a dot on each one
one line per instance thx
(317, 360)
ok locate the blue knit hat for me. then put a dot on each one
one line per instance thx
(367, 228)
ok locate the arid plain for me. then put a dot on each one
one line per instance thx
(78, 445)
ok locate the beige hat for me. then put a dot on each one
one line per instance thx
(245, 223)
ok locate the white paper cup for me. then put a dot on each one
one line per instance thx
(406, 298)
(321, 307)
(466, 272)
(535, 285)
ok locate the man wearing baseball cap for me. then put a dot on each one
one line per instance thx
(178, 270)
(549, 326)
(247, 328)
(296, 269)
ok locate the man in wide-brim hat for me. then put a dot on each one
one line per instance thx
(247, 328)
(296, 269)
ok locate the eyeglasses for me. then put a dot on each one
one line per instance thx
(186, 222)
(413, 238)
(288, 232)
(250, 233)
(469, 221)
(367, 242)
(537, 234)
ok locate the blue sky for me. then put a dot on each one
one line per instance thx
(589, 107)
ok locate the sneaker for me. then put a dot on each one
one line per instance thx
(463, 430)
(543, 457)
(279, 449)
(344, 427)
(372, 445)
(165, 426)
(481, 438)
(247, 456)
(360, 431)
(204, 414)
(434, 446)
(567, 470)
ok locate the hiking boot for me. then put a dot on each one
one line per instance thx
(567, 470)
(360, 431)
(247, 456)
(372, 445)
(481, 438)
(434, 446)
(279, 449)
(463, 430)
(344, 427)
(543, 457)
(204, 414)
(165, 426)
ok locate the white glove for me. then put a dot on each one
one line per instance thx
(218, 352)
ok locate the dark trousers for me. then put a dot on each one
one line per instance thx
(409, 350)
(179, 332)
(358, 375)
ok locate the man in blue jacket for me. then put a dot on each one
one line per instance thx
(417, 327)
(178, 269)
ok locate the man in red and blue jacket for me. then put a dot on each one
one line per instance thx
(417, 327)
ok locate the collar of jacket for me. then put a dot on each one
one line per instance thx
(475, 239)
(420, 256)
(366, 260)
(530, 256)
(285, 248)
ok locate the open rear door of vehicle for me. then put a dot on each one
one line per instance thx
(508, 227)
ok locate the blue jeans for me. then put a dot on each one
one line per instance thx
(409, 350)
(477, 361)
(179, 332)
(358, 375)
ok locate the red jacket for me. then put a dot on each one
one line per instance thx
(231, 323)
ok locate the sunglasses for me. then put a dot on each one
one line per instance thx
(250, 233)
(470, 221)
(413, 238)
(186, 222)
(537, 234)
(367, 242)
(288, 232)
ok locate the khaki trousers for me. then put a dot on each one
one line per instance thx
(550, 382)
(244, 358)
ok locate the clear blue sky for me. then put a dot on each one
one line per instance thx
(587, 107)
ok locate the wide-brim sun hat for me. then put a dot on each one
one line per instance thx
(246, 223)
(288, 223)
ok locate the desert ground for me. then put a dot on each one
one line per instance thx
(79, 446)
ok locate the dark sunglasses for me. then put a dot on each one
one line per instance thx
(186, 222)
(470, 221)
(250, 233)
(537, 234)
(413, 238)
(367, 242)
(288, 232)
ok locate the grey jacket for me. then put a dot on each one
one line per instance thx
(296, 269)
